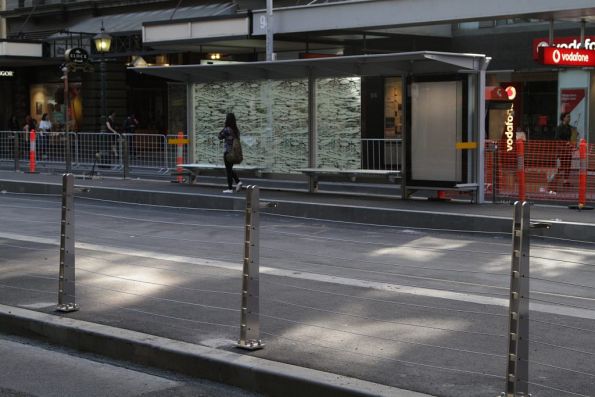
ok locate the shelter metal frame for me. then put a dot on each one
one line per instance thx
(398, 64)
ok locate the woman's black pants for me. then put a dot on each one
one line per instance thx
(231, 174)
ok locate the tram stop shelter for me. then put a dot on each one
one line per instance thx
(442, 107)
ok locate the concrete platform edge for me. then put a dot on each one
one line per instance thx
(250, 373)
(345, 213)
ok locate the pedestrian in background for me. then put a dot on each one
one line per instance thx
(228, 134)
(14, 127)
(564, 148)
(45, 127)
(13, 123)
(29, 126)
(129, 127)
(111, 141)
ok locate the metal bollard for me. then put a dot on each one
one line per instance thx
(66, 285)
(250, 310)
(517, 368)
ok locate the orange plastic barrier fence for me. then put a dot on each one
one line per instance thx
(520, 156)
(551, 171)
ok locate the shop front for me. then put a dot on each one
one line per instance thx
(530, 106)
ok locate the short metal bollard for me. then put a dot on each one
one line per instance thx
(250, 310)
(66, 285)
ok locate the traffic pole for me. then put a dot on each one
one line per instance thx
(520, 153)
(582, 178)
(180, 158)
(32, 137)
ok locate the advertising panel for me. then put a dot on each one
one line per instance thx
(574, 101)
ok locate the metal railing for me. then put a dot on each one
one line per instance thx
(381, 154)
(90, 150)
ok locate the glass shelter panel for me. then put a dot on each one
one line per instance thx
(339, 122)
(285, 102)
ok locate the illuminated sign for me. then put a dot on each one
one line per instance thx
(563, 42)
(500, 93)
(509, 131)
(566, 57)
(6, 73)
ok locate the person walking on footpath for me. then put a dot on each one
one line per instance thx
(112, 141)
(567, 134)
(129, 128)
(230, 134)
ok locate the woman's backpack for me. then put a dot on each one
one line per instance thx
(235, 155)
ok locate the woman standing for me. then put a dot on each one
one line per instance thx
(228, 134)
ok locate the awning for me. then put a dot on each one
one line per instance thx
(133, 21)
(345, 66)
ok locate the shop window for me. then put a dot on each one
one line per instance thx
(393, 107)
(49, 98)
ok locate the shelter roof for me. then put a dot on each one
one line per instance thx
(420, 62)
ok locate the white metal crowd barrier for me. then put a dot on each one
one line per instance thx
(144, 151)
(90, 149)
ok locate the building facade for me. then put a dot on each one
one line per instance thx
(177, 33)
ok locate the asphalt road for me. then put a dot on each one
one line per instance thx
(415, 309)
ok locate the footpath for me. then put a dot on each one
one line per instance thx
(242, 370)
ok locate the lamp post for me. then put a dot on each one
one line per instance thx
(103, 42)
(68, 154)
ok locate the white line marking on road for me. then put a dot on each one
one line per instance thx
(403, 289)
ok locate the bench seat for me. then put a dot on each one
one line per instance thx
(196, 169)
(353, 175)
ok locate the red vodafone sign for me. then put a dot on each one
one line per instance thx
(566, 57)
(573, 42)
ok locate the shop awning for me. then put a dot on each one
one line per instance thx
(133, 21)
(346, 66)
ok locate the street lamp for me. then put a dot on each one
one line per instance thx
(103, 42)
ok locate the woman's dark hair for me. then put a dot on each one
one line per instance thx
(563, 115)
(230, 121)
(45, 116)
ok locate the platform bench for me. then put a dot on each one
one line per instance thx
(334, 174)
(196, 169)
